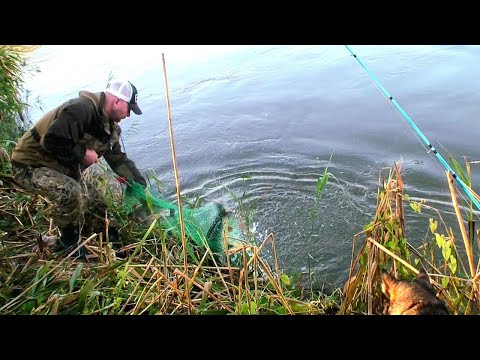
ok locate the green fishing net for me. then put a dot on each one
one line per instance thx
(209, 225)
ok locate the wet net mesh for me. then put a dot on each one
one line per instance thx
(207, 226)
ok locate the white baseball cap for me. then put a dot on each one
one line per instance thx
(125, 90)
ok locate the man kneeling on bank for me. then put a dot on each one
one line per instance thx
(52, 155)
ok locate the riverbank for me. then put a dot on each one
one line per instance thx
(146, 273)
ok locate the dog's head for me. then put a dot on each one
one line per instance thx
(415, 297)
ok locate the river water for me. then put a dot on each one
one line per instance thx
(255, 126)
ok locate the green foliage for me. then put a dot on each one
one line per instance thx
(321, 184)
(439, 254)
(11, 80)
(12, 120)
(458, 169)
(75, 274)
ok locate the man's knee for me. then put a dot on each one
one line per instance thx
(23, 177)
(64, 191)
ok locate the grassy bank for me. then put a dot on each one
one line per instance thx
(145, 274)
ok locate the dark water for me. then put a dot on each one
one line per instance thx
(258, 124)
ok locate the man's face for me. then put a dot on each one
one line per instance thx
(120, 110)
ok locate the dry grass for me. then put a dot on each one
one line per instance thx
(149, 277)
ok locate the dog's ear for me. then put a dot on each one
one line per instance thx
(422, 276)
(388, 283)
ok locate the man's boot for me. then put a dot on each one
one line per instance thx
(69, 237)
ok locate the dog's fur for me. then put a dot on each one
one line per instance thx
(415, 297)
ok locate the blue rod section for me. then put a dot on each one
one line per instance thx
(412, 124)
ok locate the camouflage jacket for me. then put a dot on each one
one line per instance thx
(61, 137)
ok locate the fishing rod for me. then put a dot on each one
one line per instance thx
(423, 137)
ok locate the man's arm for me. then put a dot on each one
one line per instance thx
(62, 137)
(122, 165)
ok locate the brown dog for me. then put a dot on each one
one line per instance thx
(415, 297)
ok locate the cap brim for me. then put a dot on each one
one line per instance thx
(135, 108)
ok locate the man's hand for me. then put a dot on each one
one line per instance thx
(90, 158)
(141, 180)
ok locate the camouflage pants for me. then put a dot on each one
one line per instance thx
(75, 201)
